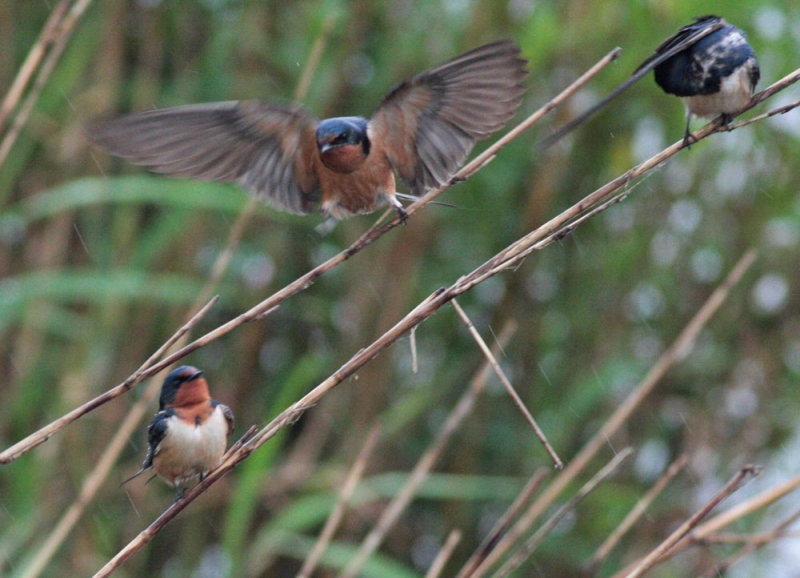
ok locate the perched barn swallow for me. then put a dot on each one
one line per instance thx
(715, 75)
(422, 130)
(188, 435)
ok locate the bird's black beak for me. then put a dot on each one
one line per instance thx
(198, 374)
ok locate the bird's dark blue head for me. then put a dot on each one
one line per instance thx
(174, 381)
(342, 131)
(343, 143)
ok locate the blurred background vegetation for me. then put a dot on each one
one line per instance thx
(99, 263)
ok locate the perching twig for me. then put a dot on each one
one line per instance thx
(770, 113)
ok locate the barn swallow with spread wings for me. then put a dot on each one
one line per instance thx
(714, 75)
(423, 130)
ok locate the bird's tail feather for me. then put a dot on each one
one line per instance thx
(412, 198)
(136, 475)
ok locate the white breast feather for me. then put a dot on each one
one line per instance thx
(734, 93)
(188, 451)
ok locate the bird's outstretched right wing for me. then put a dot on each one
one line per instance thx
(427, 125)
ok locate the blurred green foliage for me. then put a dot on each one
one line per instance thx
(99, 262)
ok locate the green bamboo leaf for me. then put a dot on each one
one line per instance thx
(132, 189)
(16, 293)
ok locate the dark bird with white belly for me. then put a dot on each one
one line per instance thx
(714, 76)
(188, 435)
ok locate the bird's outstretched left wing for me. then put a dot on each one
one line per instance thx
(427, 125)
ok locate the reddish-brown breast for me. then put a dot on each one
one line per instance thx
(363, 190)
(193, 401)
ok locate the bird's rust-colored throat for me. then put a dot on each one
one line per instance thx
(344, 159)
(191, 393)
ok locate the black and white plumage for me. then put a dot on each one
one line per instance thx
(188, 435)
(714, 76)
